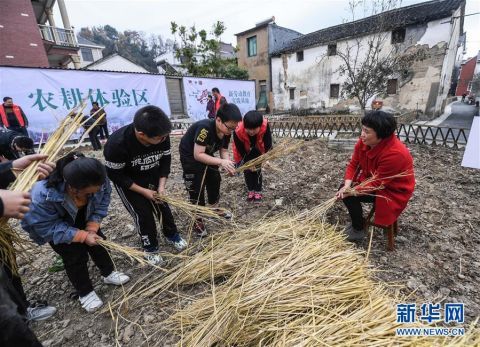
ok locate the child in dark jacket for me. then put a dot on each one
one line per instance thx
(138, 159)
(200, 167)
(66, 211)
(251, 139)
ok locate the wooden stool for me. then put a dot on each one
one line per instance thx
(391, 230)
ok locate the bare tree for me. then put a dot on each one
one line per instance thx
(370, 59)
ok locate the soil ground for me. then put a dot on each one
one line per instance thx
(436, 259)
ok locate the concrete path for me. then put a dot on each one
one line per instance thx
(456, 115)
(461, 116)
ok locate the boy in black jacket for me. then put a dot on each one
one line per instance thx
(200, 167)
(138, 163)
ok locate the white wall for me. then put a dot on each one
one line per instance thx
(450, 57)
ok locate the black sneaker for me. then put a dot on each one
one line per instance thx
(354, 234)
(199, 228)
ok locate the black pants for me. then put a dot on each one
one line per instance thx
(13, 327)
(354, 206)
(193, 175)
(15, 283)
(103, 131)
(75, 258)
(253, 180)
(18, 294)
(93, 135)
(144, 212)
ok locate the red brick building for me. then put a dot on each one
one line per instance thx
(26, 39)
(466, 76)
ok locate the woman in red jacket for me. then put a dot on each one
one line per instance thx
(378, 153)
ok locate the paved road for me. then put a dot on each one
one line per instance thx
(461, 116)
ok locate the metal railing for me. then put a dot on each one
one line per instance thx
(433, 135)
(408, 133)
(329, 126)
(59, 36)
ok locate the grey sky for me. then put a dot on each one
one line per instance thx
(154, 16)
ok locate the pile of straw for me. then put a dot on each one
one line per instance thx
(280, 150)
(9, 238)
(287, 281)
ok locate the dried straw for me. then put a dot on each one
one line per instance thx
(291, 280)
(281, 150)
(193, 211)
(290, 284)
(131, 253)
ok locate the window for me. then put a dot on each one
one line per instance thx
(292, 93)
(398, 35)
(300, 56)
(332, 49)
(392, 86)
(262, 102)
(263, 85)
(87, 54)
(334, 91)
(252, 46)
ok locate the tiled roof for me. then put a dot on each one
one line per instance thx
(409, 15)
(83, 41)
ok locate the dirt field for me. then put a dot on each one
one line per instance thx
(437, 254)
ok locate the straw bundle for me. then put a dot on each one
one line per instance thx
(9, 238)
(282, 149)
(367, 187)
(131, 253)
(192, 210)
(68, 126)
(311, 289)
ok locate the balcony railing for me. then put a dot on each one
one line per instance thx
(59, 36)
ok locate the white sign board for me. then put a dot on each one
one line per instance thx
(45, 95)
(240, 93)
(471, 157)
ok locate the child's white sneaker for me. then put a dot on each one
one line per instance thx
(153, 258)
(91, 302)
(116, 278)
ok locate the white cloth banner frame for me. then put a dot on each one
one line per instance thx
(238, 92)
(471, 156)
(45, 95)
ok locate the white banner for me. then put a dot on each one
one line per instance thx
(240, 93)
(471, 157)
(45, 95)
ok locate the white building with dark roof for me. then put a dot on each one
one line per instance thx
(305, 72)
(116, 62)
